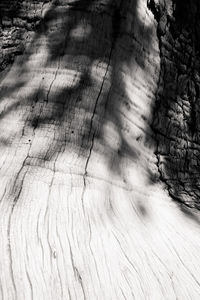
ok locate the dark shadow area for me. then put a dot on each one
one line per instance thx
(9, 9)
(176, 112)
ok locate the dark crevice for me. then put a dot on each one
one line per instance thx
(91, 124)
(155, 9)
(116, 26)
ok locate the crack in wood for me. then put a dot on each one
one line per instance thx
(91, 125)
(51, 84)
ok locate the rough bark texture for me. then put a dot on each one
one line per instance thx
(83, 146)
(18, 20)
(177, 115)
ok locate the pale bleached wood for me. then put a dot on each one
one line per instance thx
(80, 217)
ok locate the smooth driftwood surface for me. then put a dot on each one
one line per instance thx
(83, 214)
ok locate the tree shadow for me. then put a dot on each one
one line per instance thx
(87, 46)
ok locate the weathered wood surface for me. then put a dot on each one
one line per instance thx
(83, 213)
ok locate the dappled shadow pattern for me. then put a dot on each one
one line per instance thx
(79, 37)
(86, 46)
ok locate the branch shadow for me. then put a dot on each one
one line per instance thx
(90, 44)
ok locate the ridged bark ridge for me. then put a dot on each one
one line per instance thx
(176, 113)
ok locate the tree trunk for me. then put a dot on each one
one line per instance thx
(99, 170)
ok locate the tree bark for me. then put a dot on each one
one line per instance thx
(99, 150)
